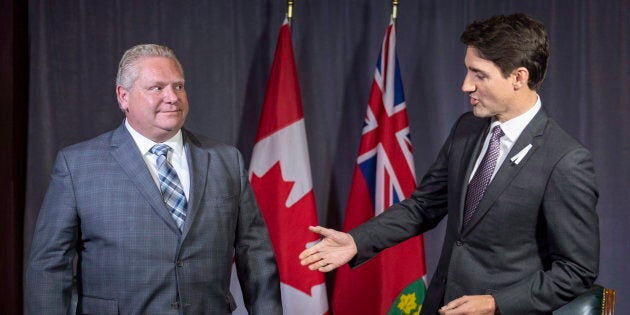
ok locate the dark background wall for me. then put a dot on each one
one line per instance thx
(62, 91)
(13, 122)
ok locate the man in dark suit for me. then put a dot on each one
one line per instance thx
(154, 213)
(522, 235)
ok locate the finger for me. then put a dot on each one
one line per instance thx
(321, 230)
(316, 229)
(310, 251)
(305, 253)
(320, 265)
(452, 304)
(310, 260)
(327, 268)
(317, 265)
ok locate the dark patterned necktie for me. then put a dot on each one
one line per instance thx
(170, 186)
(481, 179)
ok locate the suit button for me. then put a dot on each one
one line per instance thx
(175, 305)
(459, 243)
(180, 263)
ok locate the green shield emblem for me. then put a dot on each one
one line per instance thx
(409, 301)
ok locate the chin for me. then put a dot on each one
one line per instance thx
(480, 113)
(171, 124)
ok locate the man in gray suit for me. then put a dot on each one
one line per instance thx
(154, 213)
(522, 235)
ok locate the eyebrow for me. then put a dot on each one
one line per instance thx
(473, 69)
(167, 83)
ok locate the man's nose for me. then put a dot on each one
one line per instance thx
(170, 96)
(467, 85)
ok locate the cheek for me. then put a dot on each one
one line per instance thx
(492, 93)
(184, 101)
(142, 108)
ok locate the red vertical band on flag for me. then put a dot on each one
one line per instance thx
(282, 105)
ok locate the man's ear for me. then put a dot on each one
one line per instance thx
(123, 98)
(521, 76)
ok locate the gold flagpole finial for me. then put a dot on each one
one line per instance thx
(394, 9)
(289, 9)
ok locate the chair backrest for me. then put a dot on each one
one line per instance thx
(596, 301)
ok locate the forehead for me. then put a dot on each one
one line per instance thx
(155, 67)
(474, 61)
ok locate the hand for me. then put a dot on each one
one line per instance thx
(334, 250)
(470, 305)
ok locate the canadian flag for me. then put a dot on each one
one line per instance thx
(281, 179)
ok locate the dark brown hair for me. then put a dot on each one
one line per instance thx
(512, 41)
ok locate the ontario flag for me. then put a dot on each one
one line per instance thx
(392, 282)
(280, 174)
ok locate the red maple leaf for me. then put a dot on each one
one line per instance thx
(288, 227)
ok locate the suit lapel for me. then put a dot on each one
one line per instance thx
(126, 153)
(198, 160)
(508, 170)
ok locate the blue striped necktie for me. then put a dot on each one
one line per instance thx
(170, 186)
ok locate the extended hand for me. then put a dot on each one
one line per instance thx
(470, 305)
(334, 250)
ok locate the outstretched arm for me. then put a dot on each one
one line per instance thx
(334, 250)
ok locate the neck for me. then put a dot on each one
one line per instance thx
(521, 103)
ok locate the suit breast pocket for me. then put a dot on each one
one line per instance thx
(221, 212)
(93, 305)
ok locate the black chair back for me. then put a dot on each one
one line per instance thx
(596, 301)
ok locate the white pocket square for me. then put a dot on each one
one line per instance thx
(519, 156)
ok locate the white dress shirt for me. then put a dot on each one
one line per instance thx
(177, 157)
(512, 129)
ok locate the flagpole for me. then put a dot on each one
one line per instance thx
(289, 9)
(394, 9)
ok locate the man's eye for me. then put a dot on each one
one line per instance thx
(155, 88)
(179, 87)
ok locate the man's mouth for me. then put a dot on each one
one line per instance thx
(170, 111)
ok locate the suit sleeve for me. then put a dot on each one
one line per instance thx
(255, 261)
(572, 237)
(422, 211)
(48, 280)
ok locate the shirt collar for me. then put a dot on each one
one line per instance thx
(515, 126)
(145, 144)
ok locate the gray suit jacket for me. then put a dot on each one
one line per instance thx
(103, 205)
(534, 241)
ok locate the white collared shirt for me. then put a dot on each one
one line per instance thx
(512, 129)
(177, 157)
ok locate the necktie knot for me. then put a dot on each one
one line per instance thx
(160, 149)
(497, 133)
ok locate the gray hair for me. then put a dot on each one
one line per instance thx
(127, 71)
